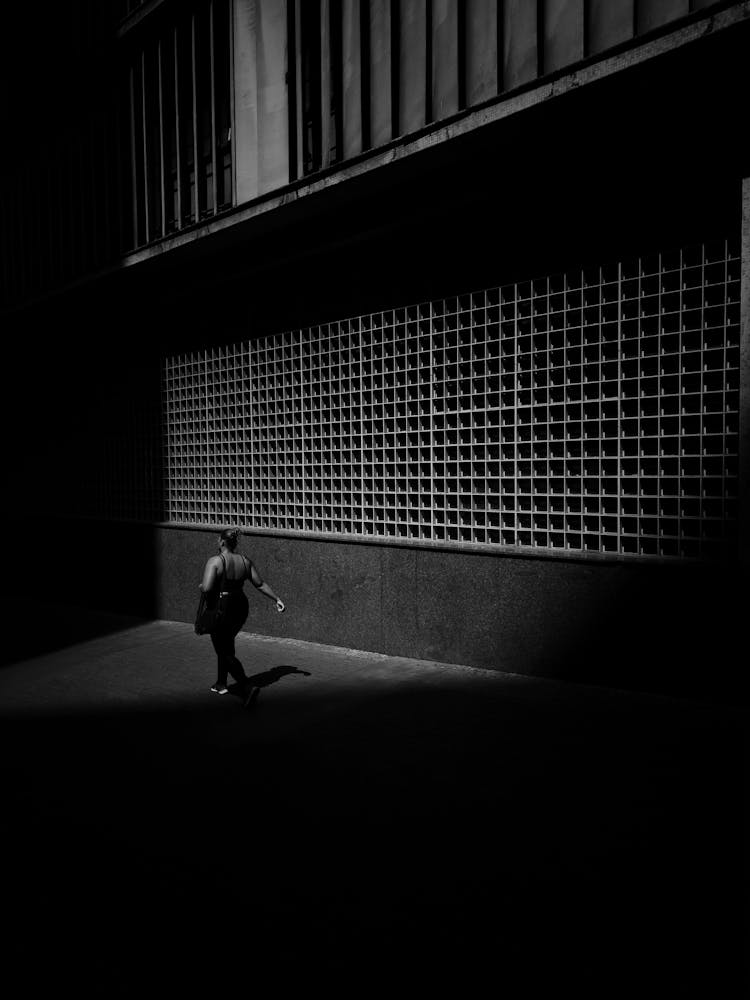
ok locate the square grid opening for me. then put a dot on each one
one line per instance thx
(592, 411)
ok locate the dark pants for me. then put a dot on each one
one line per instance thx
(223, 641)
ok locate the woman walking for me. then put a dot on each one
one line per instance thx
(229, 570)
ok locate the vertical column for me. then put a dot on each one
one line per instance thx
(245, 124)
(273, 123)
(608, 23)
(261, 107)
(519, 34)
(196, 152)
(380, 72)
(133, 160)
(295, 57)
(563, 32)
(325, 83)
(230, 83)
(294, 117)
(212, 91)
(352, 78)
(178, 138)
(144, 139)
(744, 428)
(364, 62)
(445, 60)
(162, 162)
(412, 61)
(481, 50)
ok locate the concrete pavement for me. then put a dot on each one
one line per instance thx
(370, 820)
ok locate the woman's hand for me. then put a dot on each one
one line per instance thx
(280, 606)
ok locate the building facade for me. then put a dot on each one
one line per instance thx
(441, 302)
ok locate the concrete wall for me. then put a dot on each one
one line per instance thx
(653, 627)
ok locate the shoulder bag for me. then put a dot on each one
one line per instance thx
(212, 607)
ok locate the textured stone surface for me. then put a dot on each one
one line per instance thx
(638, 625)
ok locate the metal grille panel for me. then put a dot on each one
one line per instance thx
(594, 411)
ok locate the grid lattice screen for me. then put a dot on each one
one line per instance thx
(595, 411)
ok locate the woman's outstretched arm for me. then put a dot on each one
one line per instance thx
(259, 584)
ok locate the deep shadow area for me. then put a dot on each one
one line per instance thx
(77, 579)
(669, 629)
(534, 837)
(40, 628)
(84, 454)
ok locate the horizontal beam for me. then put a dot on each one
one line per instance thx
(465, 548)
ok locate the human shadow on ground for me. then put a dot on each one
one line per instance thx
(265, 679)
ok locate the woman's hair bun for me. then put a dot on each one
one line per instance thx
(231, 535)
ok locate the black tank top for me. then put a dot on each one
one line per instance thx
(229, 585)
